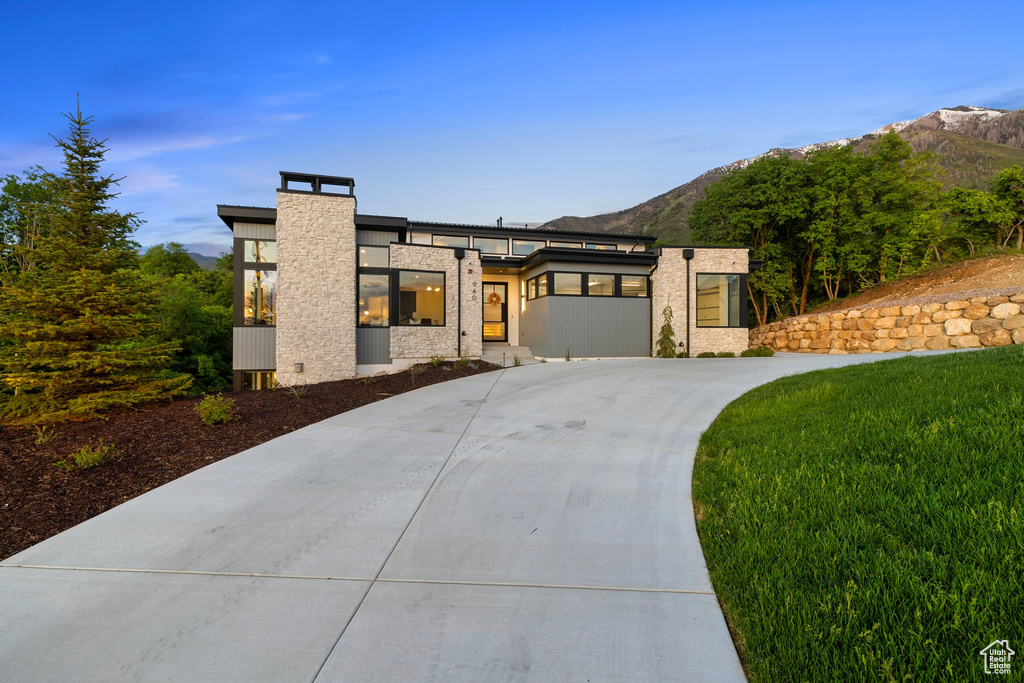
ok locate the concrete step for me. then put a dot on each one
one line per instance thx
(492, 354)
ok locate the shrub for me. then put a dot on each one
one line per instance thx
(758, 352)
(543, 360)
(436, 360)
(215, 410)
(725, 354)
(683, 354)
(462, 361)
(517, 361)
(568, 356)
(87, 456)
(368, 380)
(706, 354)
(298, 390)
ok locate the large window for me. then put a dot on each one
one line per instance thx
(259, 302)
(526, 247)
(450, 241)
(718, 300)
(568, 284)
(373, 300)
(421, 298)
(259, 251)
(491, 245)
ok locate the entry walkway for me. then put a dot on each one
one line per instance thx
(528, 524)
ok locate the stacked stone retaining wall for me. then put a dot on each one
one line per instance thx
(962, 324)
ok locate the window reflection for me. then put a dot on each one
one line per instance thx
(718, 300)
(260, 302)
(260, 251)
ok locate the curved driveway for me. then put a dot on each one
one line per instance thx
(529, 524)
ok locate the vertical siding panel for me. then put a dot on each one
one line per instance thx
(253, 348)
(373, 345)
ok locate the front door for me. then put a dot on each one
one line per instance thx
(495, 311)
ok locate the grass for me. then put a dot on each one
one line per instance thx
(867, 523)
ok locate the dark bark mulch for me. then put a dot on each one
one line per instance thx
(156, 444)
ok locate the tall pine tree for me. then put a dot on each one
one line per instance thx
(76, 330)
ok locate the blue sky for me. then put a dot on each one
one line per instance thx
(463, 112)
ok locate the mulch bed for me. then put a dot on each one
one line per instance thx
(162, 442)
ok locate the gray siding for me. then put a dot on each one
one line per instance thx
(598, 326)
(533, 327)
(375, 238)
(373, 345)
(255, 231)
(596, 268)
(253, 348)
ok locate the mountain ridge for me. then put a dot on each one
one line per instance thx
(975, 143)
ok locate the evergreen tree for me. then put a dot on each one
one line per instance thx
(666, 347)
(77, 334)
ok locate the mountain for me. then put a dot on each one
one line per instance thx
(974, 144)
(205, 262)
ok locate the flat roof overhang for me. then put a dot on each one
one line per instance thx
(527, 233)
(598, 256)
(246, 214)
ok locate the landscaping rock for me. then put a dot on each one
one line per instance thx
(965, 341)
(886, 323)
(931, 308)
(996, 300)
(976, 311)
(1018, 336)
(939, 343)
(1014, 322)
(910, 310)
(986, 325)
(957, 326)
(998, 337)
(1004, 310)
(1017, 298)
(883, 345)
(911, 343)
(932, 330)
(956, 305)
(943, 316)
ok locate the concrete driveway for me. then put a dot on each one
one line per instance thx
(529, 524)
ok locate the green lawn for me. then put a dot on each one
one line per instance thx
(867, 523)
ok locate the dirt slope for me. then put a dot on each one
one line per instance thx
(963, 280)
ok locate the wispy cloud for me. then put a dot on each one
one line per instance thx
(130, 151)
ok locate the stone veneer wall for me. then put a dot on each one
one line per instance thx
(668, 285)
(962, 324)
(316, 298)
(422, 342)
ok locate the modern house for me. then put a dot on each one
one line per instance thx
(325, 293)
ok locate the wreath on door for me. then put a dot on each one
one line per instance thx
(494, 299)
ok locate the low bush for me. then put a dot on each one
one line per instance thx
(215, 410)
(706, 354)
(758, 352)
(517, 361)
(725, 354)
(436, 360)
(87, 456)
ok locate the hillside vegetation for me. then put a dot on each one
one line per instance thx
(972, 149)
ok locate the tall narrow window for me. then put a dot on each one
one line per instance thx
(718, 300)
(542, 285)
(260, 297)
(373, 300)
(421, 298)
